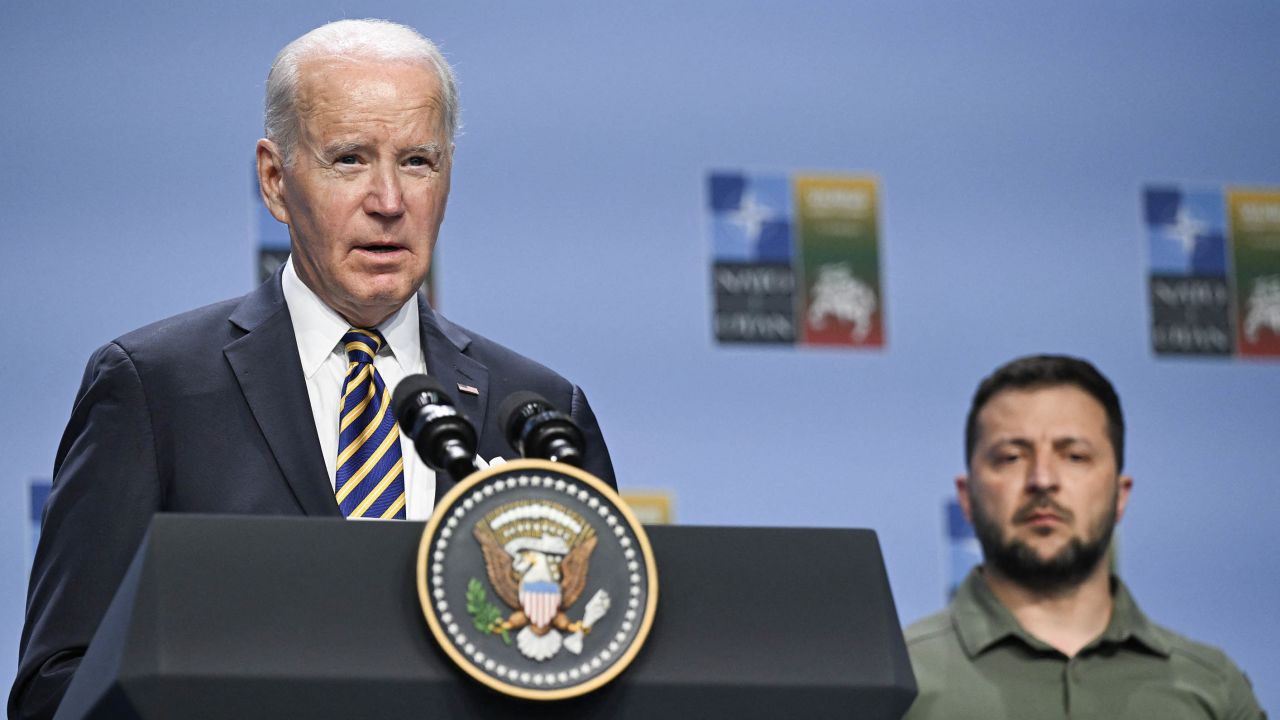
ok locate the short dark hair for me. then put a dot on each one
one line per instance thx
(1040, 371)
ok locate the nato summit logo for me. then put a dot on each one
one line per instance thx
(1190, 297)
(1215, 271)
(751, 238)
(796, 259)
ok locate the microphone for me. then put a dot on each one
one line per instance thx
(536, 429)
(444, 438)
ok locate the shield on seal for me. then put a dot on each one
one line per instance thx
(540, 599)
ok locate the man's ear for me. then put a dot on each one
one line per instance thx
(962, 496)
(271, 179)
(1125, 486)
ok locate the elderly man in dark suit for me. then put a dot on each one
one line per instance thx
(277, 402)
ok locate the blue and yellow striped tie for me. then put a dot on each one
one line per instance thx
(370, 478)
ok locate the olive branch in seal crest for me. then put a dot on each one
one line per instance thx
(486, 616)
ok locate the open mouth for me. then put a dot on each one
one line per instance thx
(383, 251)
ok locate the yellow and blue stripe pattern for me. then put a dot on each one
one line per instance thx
(370, 477)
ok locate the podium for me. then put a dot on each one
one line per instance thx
(268, 617)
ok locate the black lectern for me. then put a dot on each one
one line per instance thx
(248, 617)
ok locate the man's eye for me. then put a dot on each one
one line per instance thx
(348, 160)
(417, 161)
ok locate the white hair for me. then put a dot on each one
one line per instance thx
(369, 39)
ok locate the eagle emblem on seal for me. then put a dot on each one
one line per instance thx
(536, 556)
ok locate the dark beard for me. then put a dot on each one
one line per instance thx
(1018, 562)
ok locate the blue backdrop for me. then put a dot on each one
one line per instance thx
(1012, 141)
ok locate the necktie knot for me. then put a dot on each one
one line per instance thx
(361, 345)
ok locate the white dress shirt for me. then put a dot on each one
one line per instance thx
(318, 331)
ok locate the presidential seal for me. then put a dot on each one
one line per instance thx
(537, 580)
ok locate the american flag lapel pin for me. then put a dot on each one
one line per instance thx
(468, 389)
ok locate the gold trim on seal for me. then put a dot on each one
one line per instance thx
(428, 608)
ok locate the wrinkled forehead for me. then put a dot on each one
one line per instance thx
(329, 82)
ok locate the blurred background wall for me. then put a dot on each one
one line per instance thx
(1011, 141)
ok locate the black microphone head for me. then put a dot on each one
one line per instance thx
(536, 429)
(443, 437)
(516, 410)
(413, 392)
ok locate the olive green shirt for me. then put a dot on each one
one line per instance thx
(973, 660)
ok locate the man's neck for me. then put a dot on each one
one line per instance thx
(1066, 619)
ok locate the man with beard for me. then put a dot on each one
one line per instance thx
(1042, 629)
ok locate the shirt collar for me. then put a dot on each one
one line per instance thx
(318, 328)
(1128, 622)
(982, 621)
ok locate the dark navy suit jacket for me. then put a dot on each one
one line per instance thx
(208, 412)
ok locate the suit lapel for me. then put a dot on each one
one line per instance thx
(265, 362)
(443, 346)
